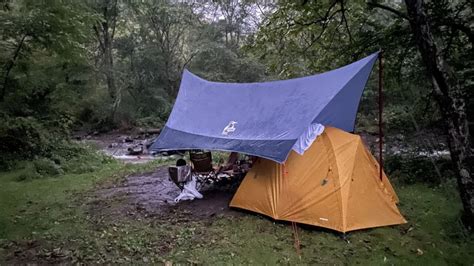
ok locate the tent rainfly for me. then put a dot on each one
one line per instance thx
(335, 185)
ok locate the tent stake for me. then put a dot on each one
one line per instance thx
(296, 237)
(380, 98)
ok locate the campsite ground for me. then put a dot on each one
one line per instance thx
(110, 215)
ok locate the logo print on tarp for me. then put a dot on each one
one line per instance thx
(229, 128)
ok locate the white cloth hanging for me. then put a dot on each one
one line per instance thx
(189, 191)
(307, 138)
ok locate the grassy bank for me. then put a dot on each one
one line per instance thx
(51, 204)
(46, 220)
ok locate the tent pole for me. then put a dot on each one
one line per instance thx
(380, 99)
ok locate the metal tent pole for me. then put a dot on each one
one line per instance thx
(380, 99)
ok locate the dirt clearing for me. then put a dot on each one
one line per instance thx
(152, 194)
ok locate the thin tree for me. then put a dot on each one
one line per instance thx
(105, 32)
(450, 95)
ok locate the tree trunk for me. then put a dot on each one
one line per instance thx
(105, 31)
(109, 65)
(107, 28)
(450, 95)
(9, 66)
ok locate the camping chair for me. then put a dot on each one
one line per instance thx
(202, 167)
(180, 174)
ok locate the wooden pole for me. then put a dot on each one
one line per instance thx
(380, 98)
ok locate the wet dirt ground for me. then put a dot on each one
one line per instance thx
(152, 194)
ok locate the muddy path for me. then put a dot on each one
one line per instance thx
(152, 194)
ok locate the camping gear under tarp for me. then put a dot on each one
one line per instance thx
(263, 119)
(335, 185)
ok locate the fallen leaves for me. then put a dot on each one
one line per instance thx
(419, 252)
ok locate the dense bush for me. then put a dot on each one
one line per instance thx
(21, 138)
(27, 138)
(47, 167)
(86, 159)
(65, 158)
(28, 172)
(413, 169)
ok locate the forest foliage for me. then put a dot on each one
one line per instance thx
(101, 65)
(96, 66)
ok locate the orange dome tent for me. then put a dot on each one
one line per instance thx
(335, 185)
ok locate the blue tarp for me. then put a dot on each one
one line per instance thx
(263, 119)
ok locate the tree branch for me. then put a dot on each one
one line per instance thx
(460, 27)
(9, 66)
(114, 19)
(99, 38)
(390, 9)
(344, 19)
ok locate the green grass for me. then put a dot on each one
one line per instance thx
(433, 236)
(51, 203)
(51, 214)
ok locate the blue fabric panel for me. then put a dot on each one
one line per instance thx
(341, 111)
(171, 139)
(270, 115)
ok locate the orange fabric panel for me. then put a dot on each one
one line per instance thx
(309, 192)
(371, 160)
(370, 203)
(259, 189)
(342, 147)
(335, 184)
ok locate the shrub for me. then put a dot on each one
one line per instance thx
(28, 173)
(85, 159)
(65, 158)
(151, 122)
(26, 138)
(411, 169)
(47, 167)
(22, 138)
